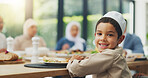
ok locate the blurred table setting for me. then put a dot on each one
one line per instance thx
(34, 61)
(48, 57)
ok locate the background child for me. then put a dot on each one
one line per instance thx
(25, 40)
(109, 63)
(72, 39)
(3, 44)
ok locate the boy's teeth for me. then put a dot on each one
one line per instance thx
(103, 45)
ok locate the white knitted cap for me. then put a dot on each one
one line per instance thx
(118, 17)
(29, 22)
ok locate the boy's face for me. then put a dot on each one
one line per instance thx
(106, 37)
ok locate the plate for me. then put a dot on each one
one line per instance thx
(40, 65)
(64, 55)
(140, 59)
(12, 62)
(69, 55)
(56, 63)
(29, 58)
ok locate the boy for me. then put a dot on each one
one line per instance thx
(108, 62)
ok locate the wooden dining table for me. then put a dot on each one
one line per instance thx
(19, 71)
(139, 66)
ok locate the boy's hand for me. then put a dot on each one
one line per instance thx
(77, 57)
(124, 53)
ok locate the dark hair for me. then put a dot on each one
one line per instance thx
(111, 21)
(125, 21)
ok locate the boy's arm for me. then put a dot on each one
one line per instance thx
(96, 63)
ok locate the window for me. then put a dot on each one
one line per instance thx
(112, 5)
(73, 10)
(146, 24)
(128, 15)
(13, 13)
(45, 13)
(94, 14)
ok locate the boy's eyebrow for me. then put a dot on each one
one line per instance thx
(111, 31)
(107, 31)
(98, 30)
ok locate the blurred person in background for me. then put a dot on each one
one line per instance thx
(25, 40)
(132, 43)
(3, 44)
(72, 39)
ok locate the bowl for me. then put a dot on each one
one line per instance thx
(42, 51)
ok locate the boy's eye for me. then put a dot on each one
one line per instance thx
(99, 33)
(110, 35)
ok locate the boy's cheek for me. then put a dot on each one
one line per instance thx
(96, 41)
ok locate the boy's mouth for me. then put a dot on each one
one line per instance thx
(103, 45)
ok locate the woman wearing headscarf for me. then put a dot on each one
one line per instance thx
(72, 39)
(2, 37)
(25, 40)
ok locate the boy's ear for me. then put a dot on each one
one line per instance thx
(95, 34)
(121, 39)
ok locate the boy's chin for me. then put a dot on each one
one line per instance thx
(100, 49)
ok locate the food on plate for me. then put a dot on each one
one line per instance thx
(76, 52)
(70, 52)
(55, 60)
(131, 57)
(3, 50)
(92, 52)
(8, 56)
(62, 52)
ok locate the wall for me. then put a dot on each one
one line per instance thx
(140, 19)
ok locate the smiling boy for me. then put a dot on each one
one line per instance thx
(109, 62)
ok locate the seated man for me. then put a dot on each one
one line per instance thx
(2, 37)
(132, 43)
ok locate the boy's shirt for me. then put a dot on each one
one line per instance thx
(107, 64)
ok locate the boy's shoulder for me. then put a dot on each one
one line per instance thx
(108, 52)
(117, 50)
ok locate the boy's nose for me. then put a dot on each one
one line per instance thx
(103, 38)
